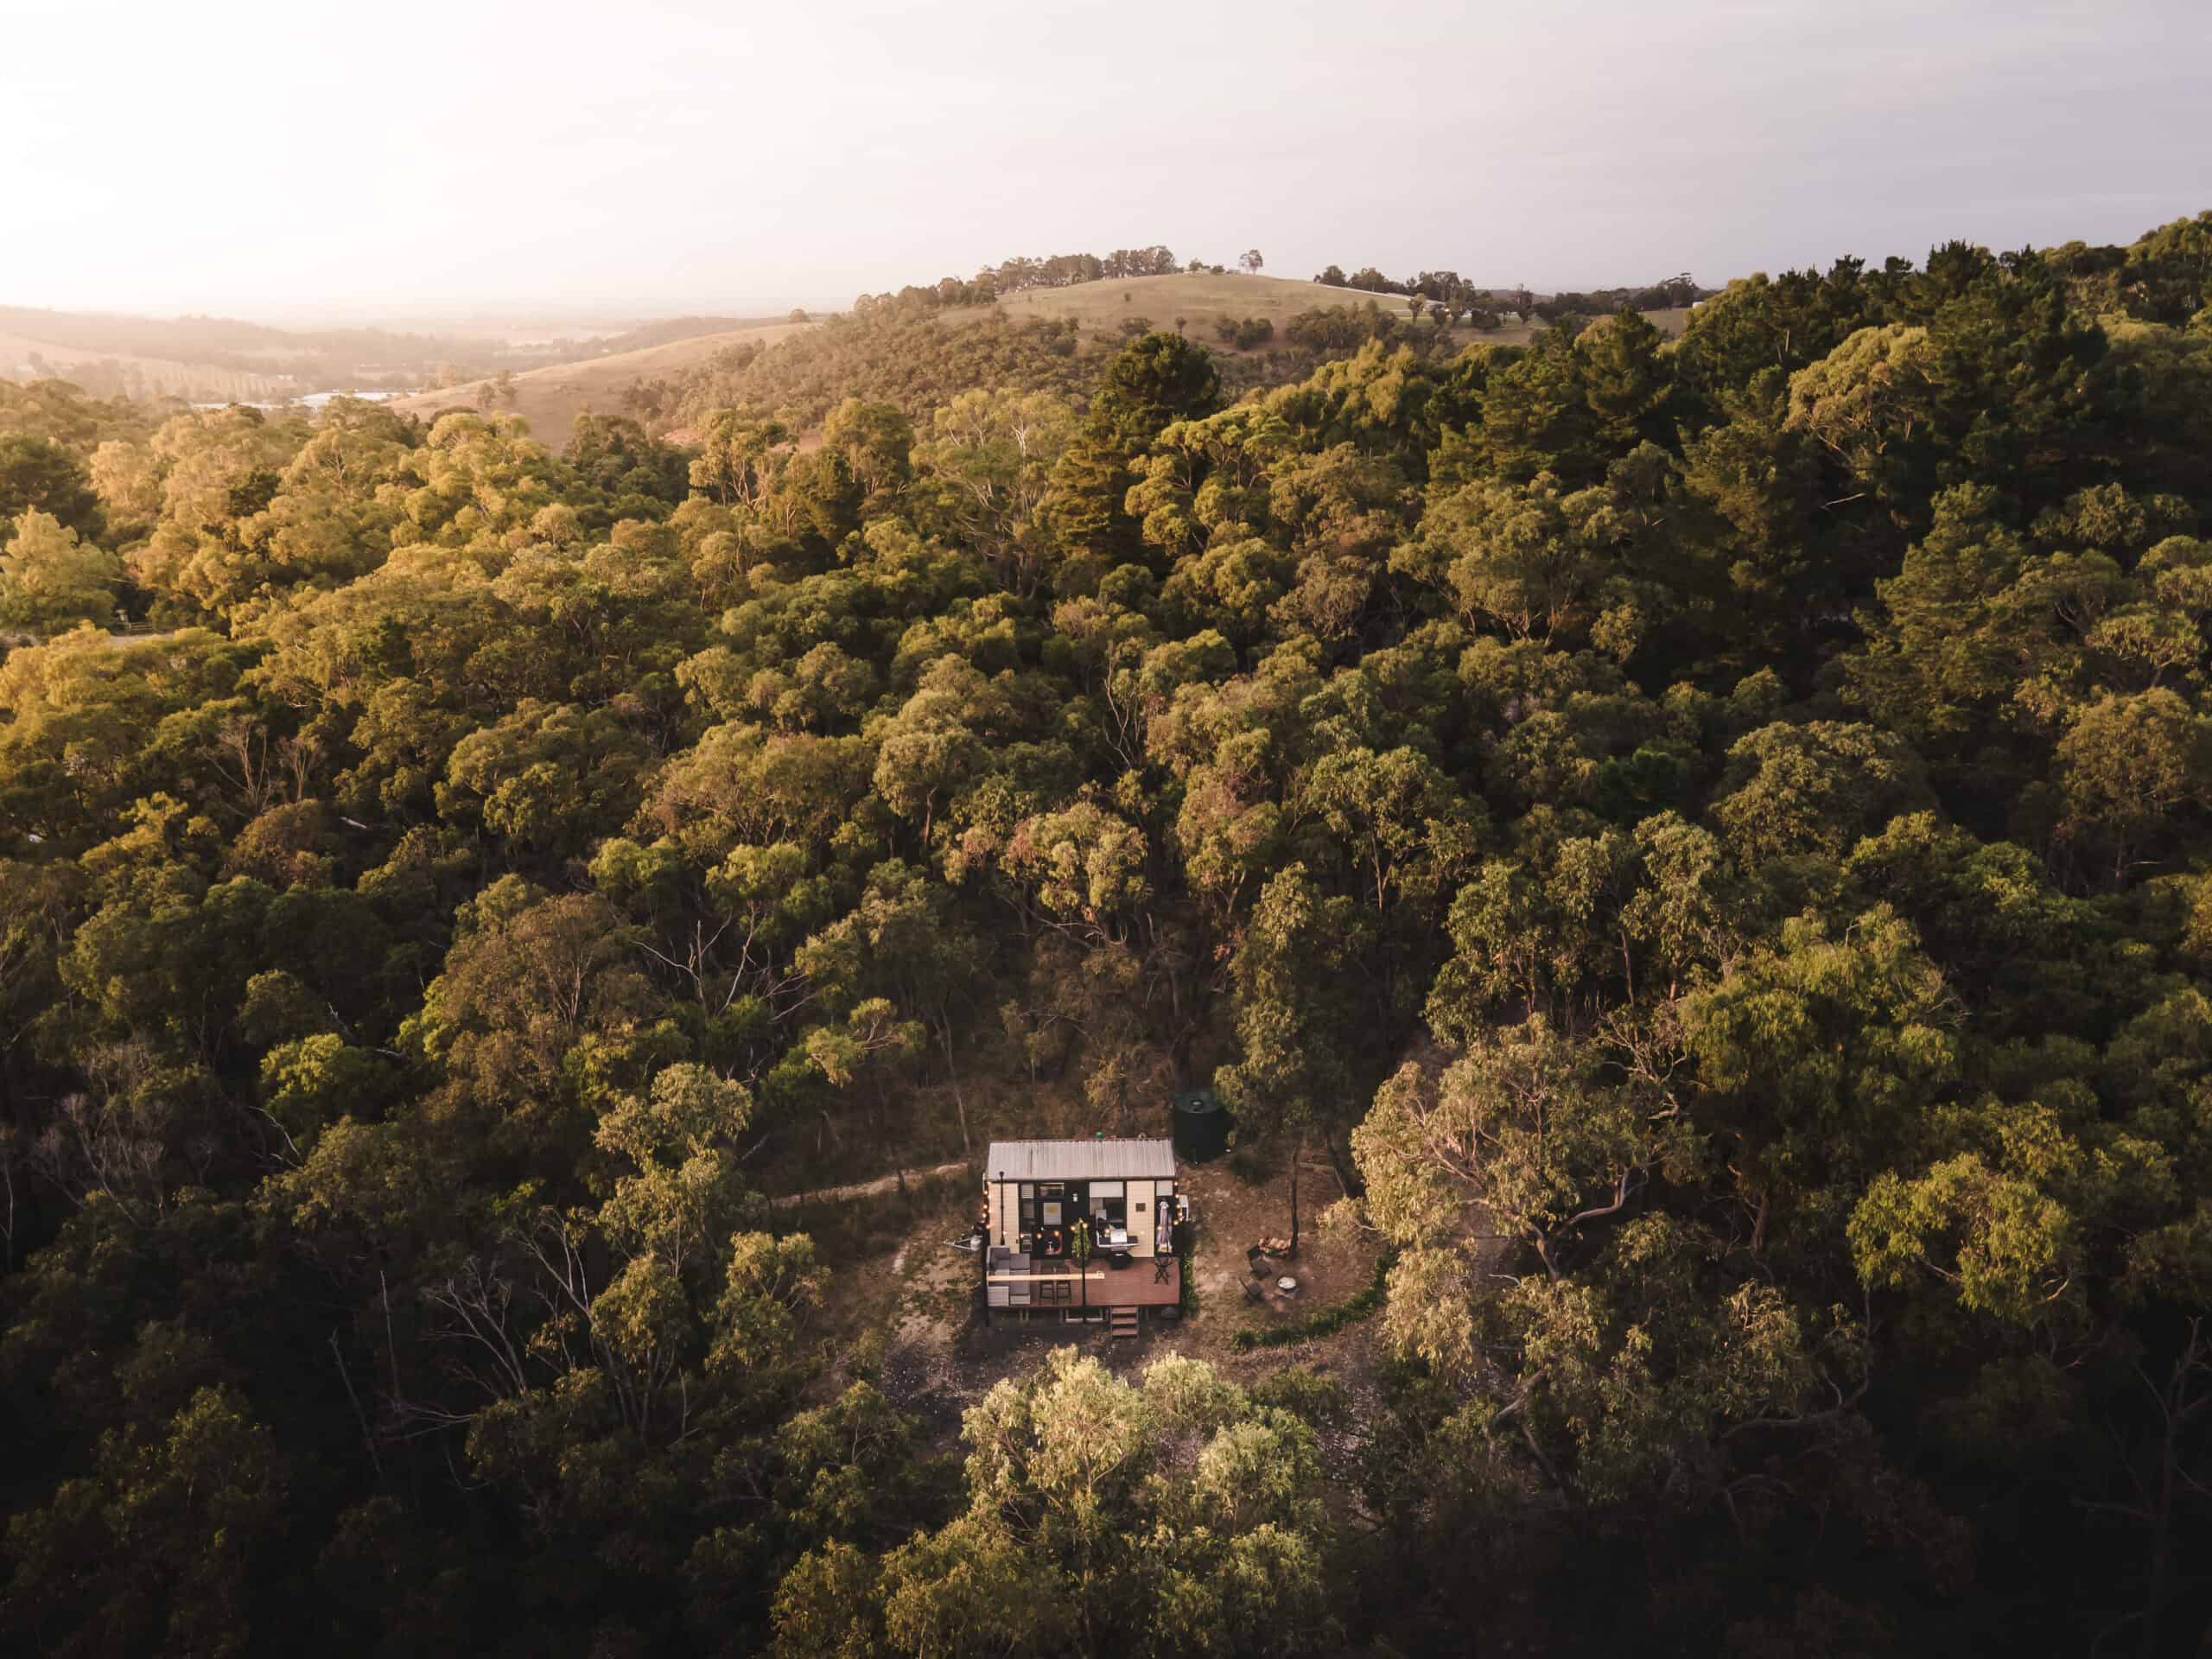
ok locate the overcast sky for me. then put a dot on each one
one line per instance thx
(263, 158)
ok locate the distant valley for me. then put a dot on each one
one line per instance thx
(220, 360)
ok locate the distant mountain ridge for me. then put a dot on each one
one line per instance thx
(209, 358)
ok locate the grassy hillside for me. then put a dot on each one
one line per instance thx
(1199, 297)
(1203, 299)
(26, 358)
(549, 400)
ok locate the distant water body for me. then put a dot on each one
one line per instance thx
(317, 400)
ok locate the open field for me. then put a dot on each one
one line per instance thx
(549, 400)
(1203, 299)
(154, 375)
(209, 358)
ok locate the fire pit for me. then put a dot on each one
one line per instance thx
(1286, 1284)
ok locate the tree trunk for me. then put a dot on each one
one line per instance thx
(1297, 1157)
(1340, 1160)
(960, 1104)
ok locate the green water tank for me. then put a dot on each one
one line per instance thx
(1202, 1125)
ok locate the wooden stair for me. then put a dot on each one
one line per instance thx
(1121, 1322)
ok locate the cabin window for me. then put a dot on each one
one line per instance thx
(1028, 1202)
(1109, 1203)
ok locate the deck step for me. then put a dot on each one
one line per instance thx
(1123, 1321)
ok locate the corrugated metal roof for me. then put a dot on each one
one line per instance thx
(1080, 1160)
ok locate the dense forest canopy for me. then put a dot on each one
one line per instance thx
(1709, 837)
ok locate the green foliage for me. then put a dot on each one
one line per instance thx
(39, 475)
(50, 581)
(1086, 1496)
(888, 355)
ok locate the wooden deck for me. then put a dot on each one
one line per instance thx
(1017, 1285)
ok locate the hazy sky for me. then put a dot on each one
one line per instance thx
(257, 156)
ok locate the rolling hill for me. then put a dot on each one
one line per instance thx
(549, 400)
(26, 358)
(917, 355)
(210, 358)
(1203, 299)
(1200, 296)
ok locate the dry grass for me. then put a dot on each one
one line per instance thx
(1203, 299)
(549, 400)
(1199, 297)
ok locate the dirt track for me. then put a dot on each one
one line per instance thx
(875, 1188)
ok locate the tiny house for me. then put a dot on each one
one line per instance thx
(1081, 1230)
